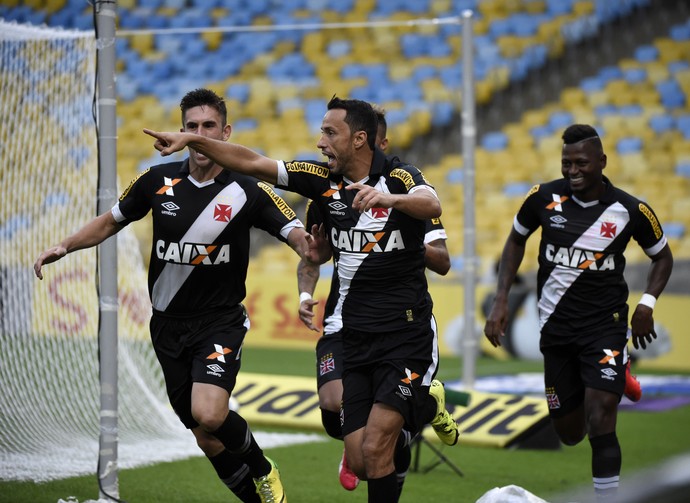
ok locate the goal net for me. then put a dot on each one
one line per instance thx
(49, 382)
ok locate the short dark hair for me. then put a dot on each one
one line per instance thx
(381, 118)
(580, 132)
(204, 97)
(359, 115)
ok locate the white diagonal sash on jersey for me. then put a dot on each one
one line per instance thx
(349, 262)
(562, 278)
(205, 229)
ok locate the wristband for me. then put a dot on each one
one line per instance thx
(648, 300)
(307, 296)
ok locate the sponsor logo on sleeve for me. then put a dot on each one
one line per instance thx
(652, 220)
(279, 202)
(404, 177)
(306, 167)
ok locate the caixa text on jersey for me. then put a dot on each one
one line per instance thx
(580, 259)
(193, 253)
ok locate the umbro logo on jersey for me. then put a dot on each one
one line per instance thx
(219, 353)
(558, 221)
(168, 184)
(170, 208)
(337, 207)
(405, 391)
(579, 259)
(557, 202)
(362, 241)
(610, 357)
(608, 373)
(192, 253)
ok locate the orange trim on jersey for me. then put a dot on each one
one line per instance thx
(174, 182)
(553, 204)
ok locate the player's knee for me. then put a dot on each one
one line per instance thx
(208, 418)
(331, 423)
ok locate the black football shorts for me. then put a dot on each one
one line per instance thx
(203, 349)
(594, 361)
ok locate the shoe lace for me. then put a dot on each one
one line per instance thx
(265, 490)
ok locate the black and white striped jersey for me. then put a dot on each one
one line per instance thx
(200, 251)
(581, 262)
(332, 322)
(379, 254)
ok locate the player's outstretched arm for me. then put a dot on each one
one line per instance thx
(642, 321)
(92, 234)
(231, 156)
(511, 258)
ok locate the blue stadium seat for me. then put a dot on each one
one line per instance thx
(671, 94)
(494, 141)
(540, 132)
(683, 169)
(674, 230)
(443, 113)
(56, 199)
(680, 32)
(661, 123)
(455, 176)
(683, 125)
(560, 120)
(646, 53)
(635, 75)
(592, 84)
(609, 73)
(629, 145)
(14, 224)
(678, 66)
(516, 189)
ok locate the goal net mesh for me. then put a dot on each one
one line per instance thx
(49, 377)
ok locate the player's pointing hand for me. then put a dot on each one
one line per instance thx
(168, 143)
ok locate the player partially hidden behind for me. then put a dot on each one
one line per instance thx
(586, 225)
(197, 274)
(329, 350)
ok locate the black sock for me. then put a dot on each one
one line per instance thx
(383, 490)
(235, 435)
(235, 474)
(331, 423)
(606, 464)
(402, 459)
